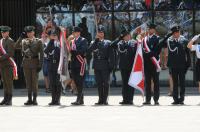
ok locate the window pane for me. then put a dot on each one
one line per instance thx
(104, 19)
(60, 19)
(166, 19)
(139, 18)
(173, 4)
(100, 5)
(53, 5)
(121, 22)
(120, 5)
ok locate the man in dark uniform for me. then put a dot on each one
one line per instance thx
(150, 69)
(78, 51)
(53, 52)
(6, 66)
(179, 61)
(126, 49)
(102, 64)
(32, 50)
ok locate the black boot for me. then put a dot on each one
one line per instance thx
(100, 93)
(53, 101)
(35, 99)
(4, 99)
(58, 94)
(9, 99)
(57, 102)
(79, 100)
(29, 102)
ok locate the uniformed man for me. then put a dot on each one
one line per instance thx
(102, 64)
(179, 61)
(126, 49)
(78, 51)
(32, 50)
(7, 64)
(150, 69)
(53, 52)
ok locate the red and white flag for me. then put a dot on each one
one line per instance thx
(136, 79)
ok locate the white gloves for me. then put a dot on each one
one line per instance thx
(195, 37)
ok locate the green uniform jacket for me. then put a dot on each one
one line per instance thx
(8, 45)
(32, 51)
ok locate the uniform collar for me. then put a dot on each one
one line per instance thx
(5, 38)
(31, 39)
(77, 38)
(150, 36)
(176, 39)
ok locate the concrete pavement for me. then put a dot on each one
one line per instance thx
(90, 118)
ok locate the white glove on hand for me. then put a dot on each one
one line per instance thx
(195, 37)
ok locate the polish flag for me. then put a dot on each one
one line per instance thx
(136, 79)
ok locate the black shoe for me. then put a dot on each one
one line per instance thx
(29, 102)
(3, 101)
(35, 102)
(123, 102)
(105, 103)
(146, 103)
(9, 100)
(35, 99)
(8, 103)
(57, 103)
(51, 103)
(99, 103)
(126, 103)
(129, 103)
(77, 103)
(175, 103)
(79, 100)
(156, 103)
(181, 103)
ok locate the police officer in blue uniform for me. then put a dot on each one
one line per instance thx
(53, 52)
(126, 49)
(102, 64)
(78, 52)
(179, 61)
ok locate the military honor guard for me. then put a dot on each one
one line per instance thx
(126, 48)
(151, 65)
(53, 52)
(102, 64)
(179, 61)
(8, 67)
(79, 47)
(32, 50)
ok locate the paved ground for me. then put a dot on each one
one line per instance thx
(90, 118)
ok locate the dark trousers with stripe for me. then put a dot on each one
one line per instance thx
(152, 75)
(102, 78)
(178, 76)
(54, 80)
(78, 79)
(127, 91)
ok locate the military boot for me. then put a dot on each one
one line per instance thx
(29, 102)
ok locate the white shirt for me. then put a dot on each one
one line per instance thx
(196, 48)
